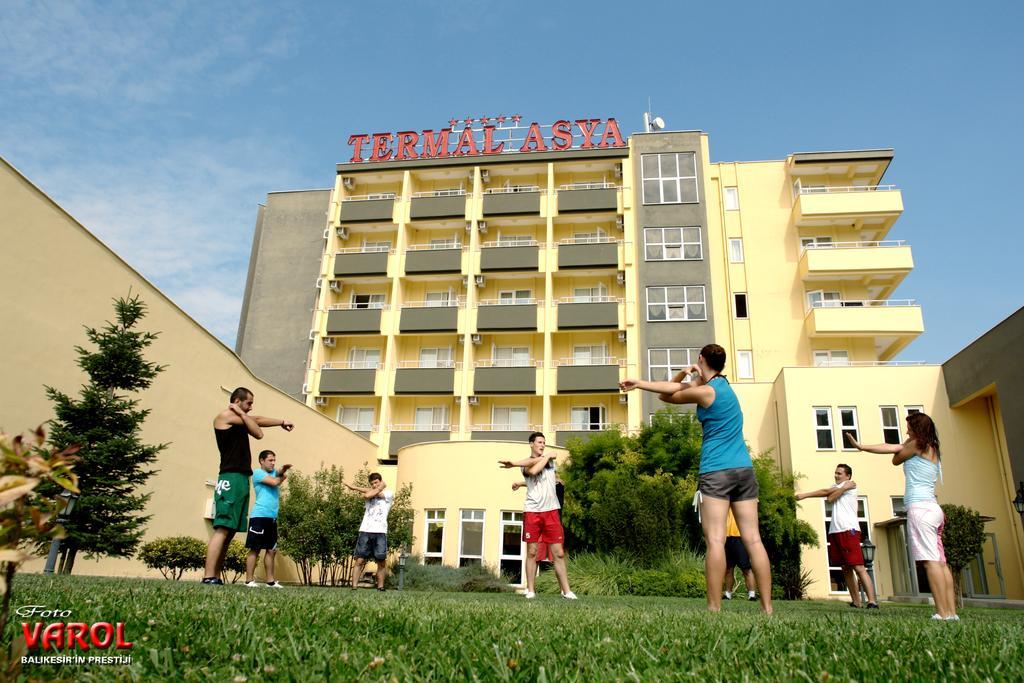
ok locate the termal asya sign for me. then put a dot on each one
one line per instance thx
(492, 135)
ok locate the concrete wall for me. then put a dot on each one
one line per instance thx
(58, 277)
(273, 329)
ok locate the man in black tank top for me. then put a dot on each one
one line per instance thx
(232, 428)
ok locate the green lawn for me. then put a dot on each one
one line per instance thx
(189, 632)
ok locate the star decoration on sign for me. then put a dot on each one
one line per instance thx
(452, 122)
(469, 120)
(484, 119)
(516, 118)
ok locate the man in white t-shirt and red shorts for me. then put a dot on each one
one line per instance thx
(844, 534)
(541, 521)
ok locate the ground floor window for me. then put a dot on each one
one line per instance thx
(433, 547)
(471, 538)
(512, 555)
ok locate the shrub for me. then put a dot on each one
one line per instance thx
(174, 555)
(680, 574)
(962, 538)
(444, 579)
(234, 561)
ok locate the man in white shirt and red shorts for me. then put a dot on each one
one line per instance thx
(541, 522)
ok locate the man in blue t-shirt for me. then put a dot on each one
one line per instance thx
(266, 482)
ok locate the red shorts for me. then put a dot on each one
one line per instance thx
(543, 527)
(844, 549)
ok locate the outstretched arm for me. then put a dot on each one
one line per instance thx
(274, 422)
(368, 492)
(282, 474)
(900, 452)
(234, 415)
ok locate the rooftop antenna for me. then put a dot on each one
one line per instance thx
(652, 124)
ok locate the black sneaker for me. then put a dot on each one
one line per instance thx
(213, 580)
(872, 605)
(853, 606)
(380, 590)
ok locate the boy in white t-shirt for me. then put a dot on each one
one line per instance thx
(844, 547)
(373, 532)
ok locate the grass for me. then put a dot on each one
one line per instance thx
(184, 631)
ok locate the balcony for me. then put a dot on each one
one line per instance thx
(892, 323)
(513, 201)
(505, 377)
(346, 319)
(402, 435)
(584, 197)
(438, 204)
(564, 433)
(494, 315)
(433, 258)
(502, 432)
(430, 316)
(348, 379)
(880, 265)
(869, 207)
(360, 261)
(593, 376)
(370, 208)
(508, 255)
(426, 377)
(589, 252)
(591, 312)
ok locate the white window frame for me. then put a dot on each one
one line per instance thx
(745, 364)
(515, 520)
(508, 425)
(896, 418)
(358, 424)
(731, 198)
(430, 517)
(434, 422)
(821, 428)
(907, 409)
(897, 511)
(669, 305)
(439, 360)
(662, 179)
(735, 250)
(589, 237)
(589, 352)
(376, 246)
(736, 308)
(849, 410)
(863, 524)
(816, 241)
(588, 426)
(523, 353)
(517, 296)
(671, 369)
(827, 298)
(445, 299)
(830, 357)
(372, 300)
(656, 237)
(516, 240)
(482, 518)
(438, 243)
(598, 291)
(357, 358)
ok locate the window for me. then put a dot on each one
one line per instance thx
(445, 243)
(735, 251)
(433, 547)
(589, 237)
(672, 244)
(436, 299)
(355, 418)
(664, 364)
(511, 419)
(587, 418)
(515, 296)
(511, 560)
(433, 419)
(510, 356)
(514, 240)
(670, 178)
(745, 364)
(740, 305)
(590, 355)
(440, 357)
(848, 425)
(376, 246)
(365, 359)
(367, 301)
(587, 295)
(899, 509)
(890, 425)
(910, 410)
(838, 584)
(471, 538)
(821, 299)
(813, 242)
(676, 303)
(829, 358)
(731, 196)
(823, 428)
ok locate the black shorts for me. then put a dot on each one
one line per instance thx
(736, 554)
(732, 485)
(262, 534)
(372, 545)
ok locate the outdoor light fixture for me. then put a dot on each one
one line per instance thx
(62, 517)
(402, 559)
(1018, 502)
(868, 549)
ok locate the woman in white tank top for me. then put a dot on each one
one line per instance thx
(920, 458)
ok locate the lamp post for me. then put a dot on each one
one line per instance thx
(1018, 502)
(402, 559)
(867, 549)
(62, 517)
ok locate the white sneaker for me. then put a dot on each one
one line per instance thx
(727, 595)
(276, 584)
(252, 584)
(938, 617)
(954, 617)
(751, 595)
(570, 596)
(529, 595)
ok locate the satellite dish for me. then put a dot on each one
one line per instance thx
(657, 123)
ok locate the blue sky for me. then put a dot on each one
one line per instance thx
(162, 126)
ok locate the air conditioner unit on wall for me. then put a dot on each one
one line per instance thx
(482, 227)
(620, 224)
(348, 182)
(476, 339)
(305, 389)
(623, 398)
(618, 170)
(321, 400)
(469, 226)
(473, 400)
(485, 176)
(319, 282)
(330, 341)
(620, 277)
(327, 233)
(480, 280)
(312, 334)
(622, 335)
(343, 232)
(335, 285)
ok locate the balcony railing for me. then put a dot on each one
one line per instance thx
(861, 303)
(507, 302)
(421, 427)
(369, 197)
(591, 185)
(855, 245)
(589, 300)
(440, 193)
(586, 426)
(457, 302)
(852, 188)
(355, 306)
(351, 365)
(364, 250)
(590, 239)
(595, 360)
(361, 427)
(866, 363)
(529, 242)
(513, 189)
(508, 363)
(435, 246)
(504, 427)
(432, 364)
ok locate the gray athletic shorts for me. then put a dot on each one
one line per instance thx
(732, 485)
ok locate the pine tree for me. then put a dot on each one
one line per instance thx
(106, 422)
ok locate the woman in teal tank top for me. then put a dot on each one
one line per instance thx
(726, 472)
(922, 466)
